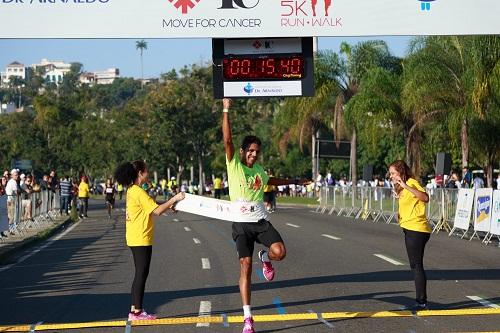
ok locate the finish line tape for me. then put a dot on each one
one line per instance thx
(258, 318)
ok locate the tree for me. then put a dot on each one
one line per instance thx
(141, 45)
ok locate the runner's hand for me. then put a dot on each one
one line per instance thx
(226, 103)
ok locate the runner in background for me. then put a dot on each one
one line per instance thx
(246, 186)
(120, 191)
(109, 195)
(139, 225)
(412, 199)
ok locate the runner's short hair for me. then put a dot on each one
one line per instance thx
(248, 140)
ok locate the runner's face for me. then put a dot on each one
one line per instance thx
(252, 154)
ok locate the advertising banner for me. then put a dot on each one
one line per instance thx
(244, 18)
(483, 206)
(4, 222)
(495, 215)
(464, 209)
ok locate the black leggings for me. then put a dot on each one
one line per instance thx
(415, 245)
(142, 260)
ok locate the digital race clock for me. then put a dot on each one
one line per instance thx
(268, 67)
(265, 67)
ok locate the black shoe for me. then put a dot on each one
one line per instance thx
(419, 307)
(3, 234)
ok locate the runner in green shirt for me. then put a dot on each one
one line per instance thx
(246, 187)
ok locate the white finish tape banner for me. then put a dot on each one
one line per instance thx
(483, 205)
(495, 216)
(464, 209)
(245, 18)
(4, 222)
(239, 211)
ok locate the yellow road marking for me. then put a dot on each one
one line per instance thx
(257, 318)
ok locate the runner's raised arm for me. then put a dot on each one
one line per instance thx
(226, 130)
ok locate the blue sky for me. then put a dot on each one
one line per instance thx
(161, 55)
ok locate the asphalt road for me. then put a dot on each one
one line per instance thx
(331, 266)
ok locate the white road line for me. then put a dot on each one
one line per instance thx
(187, 229)
(331, 237)
(205, 310)
(196, 241)
(392, 261)
(205, 263)
(50, 242)
(293, 225)
(484, 302)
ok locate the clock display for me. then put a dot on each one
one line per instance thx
(263, 68)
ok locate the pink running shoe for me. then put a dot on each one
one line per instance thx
(141, 316)
(248, 325)
(267, 267)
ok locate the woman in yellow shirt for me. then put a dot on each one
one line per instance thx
(412, 199)
(140, 228)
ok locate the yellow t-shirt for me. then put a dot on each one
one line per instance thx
(83, 190)
(411, 210)
(269, 188)
(217, 184)
(139, 222)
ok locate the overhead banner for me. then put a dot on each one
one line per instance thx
(464, 209)
(483, 209)
(495, 215)
(245, 18)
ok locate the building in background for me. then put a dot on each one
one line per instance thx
(100, 77)
(14, 69)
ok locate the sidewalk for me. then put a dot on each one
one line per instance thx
(43, 229)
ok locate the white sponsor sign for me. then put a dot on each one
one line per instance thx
(495, 216)
(262, 88)
(4, 222)
(244, 18)
(483, 205)
(464, 209)
(237, 211)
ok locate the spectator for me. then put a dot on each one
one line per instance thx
(466, 178)
(498, 182)
(44, 183)
(217, 187)
(83, 195)
(65, 188)
(478, 182)
(12, 191)
(26, 193)
(54, 185)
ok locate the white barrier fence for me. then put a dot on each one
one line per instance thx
(19, 214)
(460, 211)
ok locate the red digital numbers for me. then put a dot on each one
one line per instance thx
(283, 68)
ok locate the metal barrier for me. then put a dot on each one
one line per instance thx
(379, 204)
(36, 212)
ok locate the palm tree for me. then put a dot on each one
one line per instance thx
(358, 60)
(141, 45)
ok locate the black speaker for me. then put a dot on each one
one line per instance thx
(368, 173)
(443, 164)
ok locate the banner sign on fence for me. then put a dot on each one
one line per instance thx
(244, 18)
(4, 222)
(483, 209)
(464, 209)
(495, 215)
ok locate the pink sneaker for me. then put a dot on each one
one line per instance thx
(248, 325)
(267, 267)
(141, 316)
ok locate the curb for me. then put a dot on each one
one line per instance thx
(296, 205)
(10, 251)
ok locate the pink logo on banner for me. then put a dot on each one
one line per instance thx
(184, 5)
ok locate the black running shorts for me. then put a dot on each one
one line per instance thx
(247, 234)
